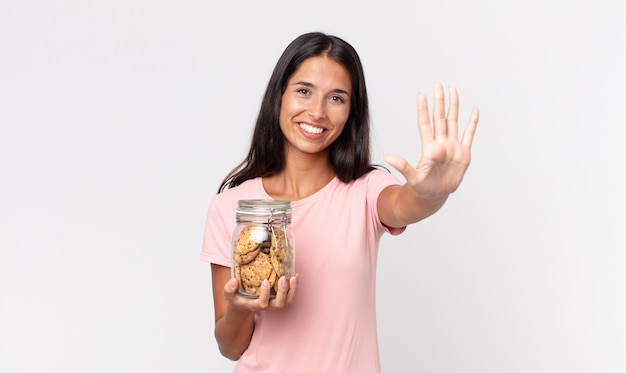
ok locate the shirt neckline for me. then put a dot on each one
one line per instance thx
(303, 201)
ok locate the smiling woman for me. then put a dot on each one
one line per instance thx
(311, 147)
(315, 106)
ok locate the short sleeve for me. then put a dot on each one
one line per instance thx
(220, 222)
(377, 181)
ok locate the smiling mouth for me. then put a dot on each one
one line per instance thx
(310, 129)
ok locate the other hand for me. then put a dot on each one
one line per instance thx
(444, 157)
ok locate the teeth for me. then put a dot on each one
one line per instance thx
(311, 129)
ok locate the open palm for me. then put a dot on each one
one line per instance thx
(444, 157)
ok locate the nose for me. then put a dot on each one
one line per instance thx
(317, 109)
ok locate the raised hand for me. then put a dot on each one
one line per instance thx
(444, 157)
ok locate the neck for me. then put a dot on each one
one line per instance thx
(299, 179)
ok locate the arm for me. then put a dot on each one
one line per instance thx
(233, 332)
(234, 315)
(440, 169)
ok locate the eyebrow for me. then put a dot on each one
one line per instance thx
(308, 84)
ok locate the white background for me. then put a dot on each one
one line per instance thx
(119, 119)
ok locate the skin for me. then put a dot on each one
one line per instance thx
(317, 97)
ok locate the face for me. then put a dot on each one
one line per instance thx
(315, 105)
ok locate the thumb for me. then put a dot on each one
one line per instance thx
(400, 164)
(230, 288)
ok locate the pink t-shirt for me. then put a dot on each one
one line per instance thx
(331, 327)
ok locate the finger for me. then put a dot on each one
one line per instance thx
(423, 121)
(264, 295)
(439, 118)
(401, 165)
(470, 130)
(281, 295)
(453, 114)
(293, 286)
(230, 288)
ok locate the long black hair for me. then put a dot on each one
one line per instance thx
(349, 154)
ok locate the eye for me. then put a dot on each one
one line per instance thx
(337, 99)
(303, 91)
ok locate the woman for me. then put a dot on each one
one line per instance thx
(311, 147)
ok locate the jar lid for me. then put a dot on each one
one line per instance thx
(263, 207)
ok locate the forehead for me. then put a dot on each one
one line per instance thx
(323, 72)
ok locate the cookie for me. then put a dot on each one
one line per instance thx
(248, 243)
(245, 258)
(253, 273)
(244, 242)
(261, 252)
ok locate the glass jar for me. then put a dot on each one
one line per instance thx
(263, 246)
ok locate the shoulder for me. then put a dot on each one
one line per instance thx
(370, 184)
(378, 178)
(227, 199)
(247, 187)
